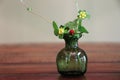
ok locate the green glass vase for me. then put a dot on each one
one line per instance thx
(71, 60)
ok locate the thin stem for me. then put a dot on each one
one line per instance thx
(47, 20)
(35, 13)
(77, 6)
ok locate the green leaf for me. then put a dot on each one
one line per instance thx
(71, 24)
(82, 29)
(77, 36)
(55, 28)
(88, 16)
(79, 22)
(61, 36)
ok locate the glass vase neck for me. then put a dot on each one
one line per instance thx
(71, 42)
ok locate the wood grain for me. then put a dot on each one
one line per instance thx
(37, 61)
(51, 68)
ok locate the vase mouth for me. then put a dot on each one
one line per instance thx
(67, 36)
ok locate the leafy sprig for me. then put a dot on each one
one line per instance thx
(72, 28)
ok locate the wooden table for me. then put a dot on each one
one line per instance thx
(37, 61)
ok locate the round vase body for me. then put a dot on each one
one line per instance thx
(71, 60)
